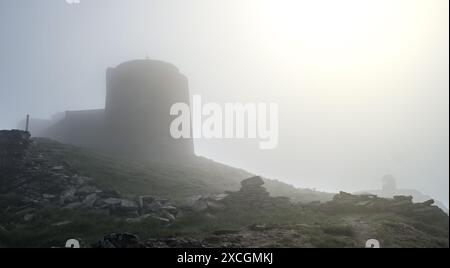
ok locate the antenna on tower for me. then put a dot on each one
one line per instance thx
(27, 124)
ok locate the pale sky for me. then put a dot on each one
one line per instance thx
(362, 86)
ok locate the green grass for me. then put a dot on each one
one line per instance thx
(312, 226)
(315, 228)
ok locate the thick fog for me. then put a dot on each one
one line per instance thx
(362, 86)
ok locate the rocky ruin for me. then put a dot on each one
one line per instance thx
(13, 149)
(30, 182)
(390, 190)
(345, 202)
(253, 195)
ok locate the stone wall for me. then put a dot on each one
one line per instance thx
(13, 149)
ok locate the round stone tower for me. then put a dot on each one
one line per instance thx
(137, 115)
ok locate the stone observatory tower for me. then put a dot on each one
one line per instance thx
(139, 95)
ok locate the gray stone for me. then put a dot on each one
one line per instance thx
(62, 223)
(128, 204)
(401, 198)
(14, 146)
(214, 205)
(28, 217)
(253, 182)
(25, 211)
(87, 189)
(122, 207)
(161, 219)
(48, 196)
(139, 219)
(145, 199)
(154, 206)
(57, 168)
(168, 216)
(68, 196)
(119, 241)
(74, 205)
(428, 203)
(112, 201)
(90, 200)
(170, 209)
(220, 197)
(199, 205)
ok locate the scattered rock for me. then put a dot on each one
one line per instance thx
(139, 219)
(170, 209)
(128, 204)
(252, 195)
(28, 217)
(150, 205)
(403, 201)
(174, 243)
(120, 207)
(401, 198)
(345, 202)
(112, 201)
(62, 223)
(42, 182)
(167, 215)
(87, 189)
(68, 196)
(145, 200)
(58, 168)
(74, 205)
(119, 241)
(205, 203)
(196, 203)
(48, 196)
(161, 219)
(25, 211)
(147, 217)
(428, 203)
(90, 200)
(14, 146)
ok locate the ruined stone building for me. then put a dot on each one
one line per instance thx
(136, 119)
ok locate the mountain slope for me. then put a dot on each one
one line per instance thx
(177, 181)
(51, 192)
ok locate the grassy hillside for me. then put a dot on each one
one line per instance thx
(177, 181)
(54, 192)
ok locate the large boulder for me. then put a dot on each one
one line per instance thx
(253, 182)
(157, 207)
